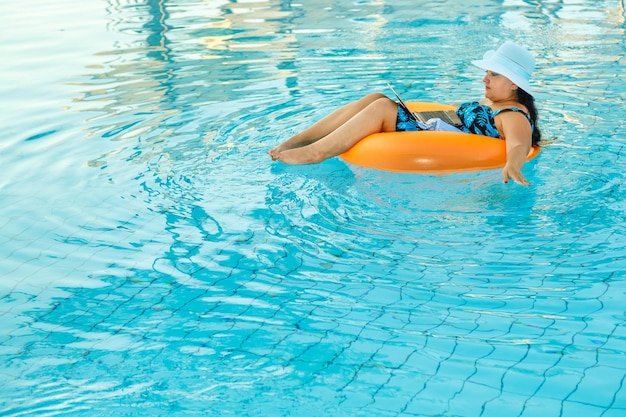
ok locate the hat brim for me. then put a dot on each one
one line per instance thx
(490, 65)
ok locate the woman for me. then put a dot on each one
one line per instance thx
(507, 111)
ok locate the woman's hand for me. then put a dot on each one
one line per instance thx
(514, 173)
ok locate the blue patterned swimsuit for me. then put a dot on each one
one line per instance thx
(477, 118)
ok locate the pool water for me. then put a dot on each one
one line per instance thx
(156, 262)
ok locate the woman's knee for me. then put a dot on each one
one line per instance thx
(387, 110)
(378, 95)
(385, 104)
(372, 97)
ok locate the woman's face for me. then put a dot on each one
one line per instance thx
(498, 87)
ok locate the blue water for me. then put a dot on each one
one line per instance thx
(156, 262)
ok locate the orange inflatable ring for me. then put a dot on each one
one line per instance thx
(429, 151)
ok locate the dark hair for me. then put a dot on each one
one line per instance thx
(529, 102)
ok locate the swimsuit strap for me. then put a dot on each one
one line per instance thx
(516, 110)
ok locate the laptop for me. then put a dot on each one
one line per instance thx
(448, 116)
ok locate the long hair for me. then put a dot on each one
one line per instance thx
(529, 102)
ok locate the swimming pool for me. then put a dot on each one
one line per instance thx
(155, 261)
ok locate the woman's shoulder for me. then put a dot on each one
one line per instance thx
(513, 106)
(514, 116)
(508, 111)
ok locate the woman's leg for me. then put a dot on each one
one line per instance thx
(378, 116)
(327, 124)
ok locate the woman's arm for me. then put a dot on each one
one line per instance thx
(517, 134)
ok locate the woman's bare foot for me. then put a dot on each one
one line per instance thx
(293, 143)
(288, 144)
(303, 155)
(273, 153)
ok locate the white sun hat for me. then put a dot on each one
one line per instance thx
(512, 61)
